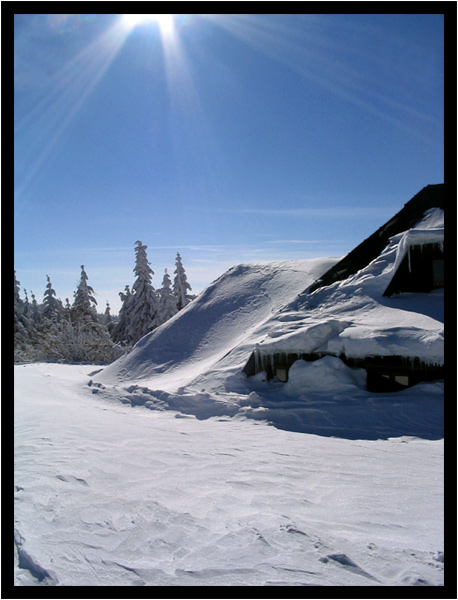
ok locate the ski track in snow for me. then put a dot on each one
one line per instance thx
(108, 493)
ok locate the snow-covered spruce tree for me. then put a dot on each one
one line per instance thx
(84, 302)
(35, 312)
(27, 338)
(31, 315)
(91, 340)
(120, 332)
(167, 301)
(48, 342)
(17, 296)
(55, 345)
(180, 284)
(66, 342)
(27, 306)
(18, 306)
(52, 308)
(21, 326)
(49, 329)
(144, 302)
(108, 319)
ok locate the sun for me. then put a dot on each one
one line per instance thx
(165, 22)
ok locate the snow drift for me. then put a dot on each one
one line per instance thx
(229, 314)
(194, 362)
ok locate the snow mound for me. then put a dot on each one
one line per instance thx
(324, 375)
(229, 314)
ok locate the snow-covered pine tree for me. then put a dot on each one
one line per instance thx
(17, 296)
(120, 332)
(144, 302)
(18, 306)
(84, 302)
(47, 347)
(21, 337)
(67, 309)
(27, 306)
(91, 340)
(35, 310)
(107, 318)
(167, 300)
(65, 346)
(180, 284)
(31, 317)
(52, 307)
(27, 339)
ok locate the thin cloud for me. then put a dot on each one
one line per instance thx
(335, 212)
(308, 242)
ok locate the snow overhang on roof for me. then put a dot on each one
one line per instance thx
(422, 237)
(418, 237)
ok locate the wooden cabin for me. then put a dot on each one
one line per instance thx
(420, 270)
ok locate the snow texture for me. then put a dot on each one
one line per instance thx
(171, 467)
(112, 494)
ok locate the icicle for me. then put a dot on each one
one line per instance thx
(408, 259)
(271, 363)
(256, 359)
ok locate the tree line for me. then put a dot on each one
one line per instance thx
(53, 331)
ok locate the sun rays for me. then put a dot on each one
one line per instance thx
(304, 46)
(66, 91)
(68, 88)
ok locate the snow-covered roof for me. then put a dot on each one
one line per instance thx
(352, 317)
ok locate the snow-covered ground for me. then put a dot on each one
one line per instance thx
(171, 467)
(107, 493)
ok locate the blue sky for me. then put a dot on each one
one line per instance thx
(228, 138)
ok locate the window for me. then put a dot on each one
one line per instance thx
(402, 379)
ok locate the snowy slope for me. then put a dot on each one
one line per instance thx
(227, 314)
